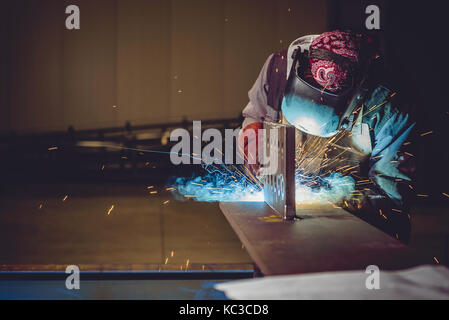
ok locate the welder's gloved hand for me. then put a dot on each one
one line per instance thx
(250, 142)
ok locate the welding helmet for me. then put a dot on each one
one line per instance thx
(324, 82)
(308, 107)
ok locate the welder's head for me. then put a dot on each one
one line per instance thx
(321, 82)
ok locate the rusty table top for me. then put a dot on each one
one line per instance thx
(324, 239)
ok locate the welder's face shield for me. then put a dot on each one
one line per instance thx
(310, 109)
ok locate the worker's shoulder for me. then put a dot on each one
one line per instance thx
(383, 106)
(378, 95)
(383, 100)
(281, 54)
(276, 79)
(277, 65)
(278, 60)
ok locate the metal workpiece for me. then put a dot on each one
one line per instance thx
(279, 168)
(326, 239)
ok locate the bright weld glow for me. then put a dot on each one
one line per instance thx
(218, 189)
(308, 125)
(333, 188)
(221, 185)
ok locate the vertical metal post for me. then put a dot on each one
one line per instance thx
(279, 169)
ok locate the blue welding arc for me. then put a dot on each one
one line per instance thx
(148, 151)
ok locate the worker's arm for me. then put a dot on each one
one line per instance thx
(257, 109)
(254, 114)
(386, 201)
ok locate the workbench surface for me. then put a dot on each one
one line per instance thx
(324, 239)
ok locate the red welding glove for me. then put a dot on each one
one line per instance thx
(249, 139)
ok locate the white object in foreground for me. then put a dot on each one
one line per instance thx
(423, 282)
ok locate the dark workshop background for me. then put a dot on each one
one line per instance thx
(138, 68)
(155, 60)
(146, 62)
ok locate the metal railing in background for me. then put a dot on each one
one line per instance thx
(130, 151)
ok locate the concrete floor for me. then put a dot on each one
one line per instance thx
(39, 229)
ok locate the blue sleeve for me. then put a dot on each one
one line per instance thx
(390, 129)
(386, 203)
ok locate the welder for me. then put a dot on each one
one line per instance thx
(324, 85)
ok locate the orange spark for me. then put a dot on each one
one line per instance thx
(426, 133)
